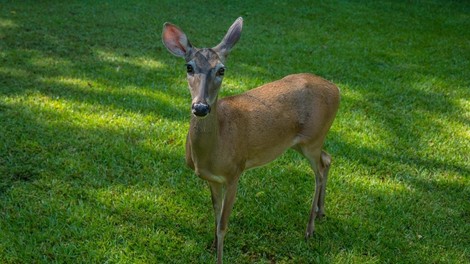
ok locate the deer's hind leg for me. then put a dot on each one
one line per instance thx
(320, 163)
(325, 162)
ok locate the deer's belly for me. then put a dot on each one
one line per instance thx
(262, 156)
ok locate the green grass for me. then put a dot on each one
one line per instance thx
(94, 112)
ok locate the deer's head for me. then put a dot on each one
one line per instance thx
(204, 66)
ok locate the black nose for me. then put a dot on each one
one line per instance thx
(201, 109)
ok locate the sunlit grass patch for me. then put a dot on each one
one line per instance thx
(143, 62)
(7, 23)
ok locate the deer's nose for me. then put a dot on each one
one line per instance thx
(200, 109)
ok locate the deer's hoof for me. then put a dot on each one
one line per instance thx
(212, 246)
(309, 234)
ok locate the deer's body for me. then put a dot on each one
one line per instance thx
(233, 134)
(254, 128)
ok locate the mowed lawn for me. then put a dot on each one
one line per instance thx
(94, 113)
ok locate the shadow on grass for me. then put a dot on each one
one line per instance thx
(388, 220)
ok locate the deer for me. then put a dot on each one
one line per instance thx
(230, 135)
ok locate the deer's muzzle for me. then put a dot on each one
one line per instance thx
(200, 109)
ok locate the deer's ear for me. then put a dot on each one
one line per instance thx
(232, 36)
(175, 40)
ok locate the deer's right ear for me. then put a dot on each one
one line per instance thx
(175, 40)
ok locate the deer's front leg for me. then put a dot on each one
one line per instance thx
(222, 226)
(217, 199)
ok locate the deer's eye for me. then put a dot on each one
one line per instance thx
(221, 72)
(189, 68)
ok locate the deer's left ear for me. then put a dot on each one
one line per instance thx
(232, 36)
(175, 40)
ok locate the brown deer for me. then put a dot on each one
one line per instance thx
(236, 133)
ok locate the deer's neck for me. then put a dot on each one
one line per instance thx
(203, 133)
